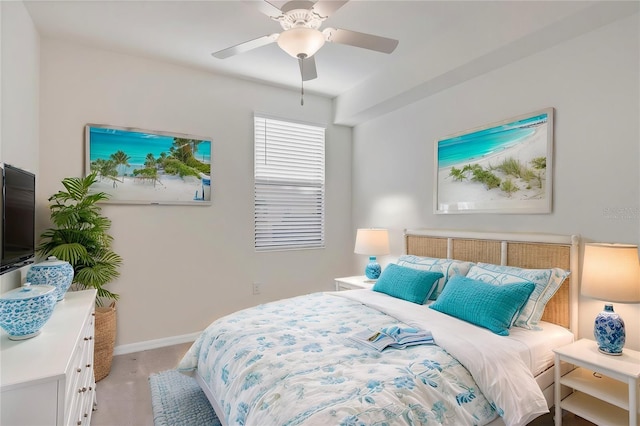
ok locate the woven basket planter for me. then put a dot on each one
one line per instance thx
(105, 339)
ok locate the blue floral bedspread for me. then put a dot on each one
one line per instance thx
(291, 362)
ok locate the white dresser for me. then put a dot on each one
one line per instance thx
(48, 380)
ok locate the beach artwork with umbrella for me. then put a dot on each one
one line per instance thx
(504, 167)
(149, 167)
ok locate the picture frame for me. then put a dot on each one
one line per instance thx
(138, 166)
(503, 167)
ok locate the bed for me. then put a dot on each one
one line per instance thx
(295, 361)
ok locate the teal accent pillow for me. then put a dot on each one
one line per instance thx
(547, 282)
(480, 303)
(409, 284)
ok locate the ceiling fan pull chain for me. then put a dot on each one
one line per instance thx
(301, 59)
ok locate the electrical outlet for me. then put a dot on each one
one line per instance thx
(256, 288)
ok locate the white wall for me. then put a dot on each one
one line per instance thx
(187, 265)
(591, 81)
(19, 94)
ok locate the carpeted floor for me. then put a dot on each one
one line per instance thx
(177, 400)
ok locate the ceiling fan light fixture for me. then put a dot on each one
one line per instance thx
(301, 41)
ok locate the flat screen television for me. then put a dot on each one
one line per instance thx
(18, 218)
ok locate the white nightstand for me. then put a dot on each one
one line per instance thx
(605, 387)
(351, 283)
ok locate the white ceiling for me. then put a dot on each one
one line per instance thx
(434, 36)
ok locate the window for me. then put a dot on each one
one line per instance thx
(289, 185)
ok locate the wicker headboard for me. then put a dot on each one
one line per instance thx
(512, 249)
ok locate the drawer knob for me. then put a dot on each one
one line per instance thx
(88, 365)
(78, 370)
(79, 422)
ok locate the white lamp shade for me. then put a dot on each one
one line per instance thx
(373, 242)
(301, 41)
(611, 272)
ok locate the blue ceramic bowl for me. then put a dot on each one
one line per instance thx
(52, 271)
(24, 310)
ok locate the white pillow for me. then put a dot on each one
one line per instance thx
(448, 268)
(547, 282)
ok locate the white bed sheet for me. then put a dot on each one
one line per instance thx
(537, 345)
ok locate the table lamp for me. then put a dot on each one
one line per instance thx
(611, 272)
(372, 242)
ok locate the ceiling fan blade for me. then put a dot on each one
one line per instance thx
(265, 7)
(246, 46)
(308, 68)
(325, 8)
(366, 41)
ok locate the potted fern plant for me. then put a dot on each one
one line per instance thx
(79, 235)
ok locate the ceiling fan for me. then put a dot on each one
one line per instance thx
(302, 38)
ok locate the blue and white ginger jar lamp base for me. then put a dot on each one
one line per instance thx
(609, 331)
(372, 271)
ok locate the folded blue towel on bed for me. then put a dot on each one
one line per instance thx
(393, 337)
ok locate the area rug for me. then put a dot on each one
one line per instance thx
(177, 400)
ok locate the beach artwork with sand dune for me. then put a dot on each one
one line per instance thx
(504, 167)
(147, 167)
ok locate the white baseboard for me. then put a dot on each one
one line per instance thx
(154, 344)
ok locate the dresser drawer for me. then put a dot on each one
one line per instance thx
(87, 405)
(80, 374)
(74, 374)
(82, 400)
(82, 405)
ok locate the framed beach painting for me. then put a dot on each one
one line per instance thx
(136, 166)
(503, 167)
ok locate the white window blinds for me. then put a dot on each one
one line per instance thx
(289, 185)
